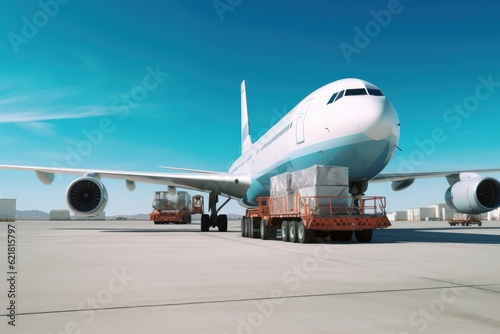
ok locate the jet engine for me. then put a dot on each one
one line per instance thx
(86, 196)
(475, 195)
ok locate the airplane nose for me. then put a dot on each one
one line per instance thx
(377, 119)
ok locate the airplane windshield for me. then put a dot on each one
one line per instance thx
(375, 92)
(356, 91)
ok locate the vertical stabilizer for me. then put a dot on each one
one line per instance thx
(246, 140)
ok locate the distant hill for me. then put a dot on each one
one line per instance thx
(31, 215)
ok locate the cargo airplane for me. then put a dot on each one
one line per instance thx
(349, 123)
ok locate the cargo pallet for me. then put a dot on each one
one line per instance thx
(465, 220)
(303, 218)
(167, 211)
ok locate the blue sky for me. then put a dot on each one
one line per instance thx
(151, 83)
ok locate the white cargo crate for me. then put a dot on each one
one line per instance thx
(320, 176)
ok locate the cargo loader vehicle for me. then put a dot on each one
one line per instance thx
(176, 209)
(314, 202)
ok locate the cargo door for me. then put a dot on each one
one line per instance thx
(301, 121)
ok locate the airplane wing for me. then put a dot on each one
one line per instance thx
(226, 184)
(401, 181)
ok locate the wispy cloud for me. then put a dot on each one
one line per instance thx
(37, 107)
(40, 115)
(39, 128)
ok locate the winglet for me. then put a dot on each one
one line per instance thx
(246, 140)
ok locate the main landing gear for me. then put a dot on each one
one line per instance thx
(214, 219)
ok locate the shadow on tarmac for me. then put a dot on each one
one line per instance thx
(385, 236)
(438, 235)
(136, 230)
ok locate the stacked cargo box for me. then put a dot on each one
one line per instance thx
(184, 199)
(313, 182)
(164, 201)
(282, 195)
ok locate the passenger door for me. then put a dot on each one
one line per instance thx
(300, 122)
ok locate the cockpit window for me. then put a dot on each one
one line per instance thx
(339, 96)
(356, 91)
(375, 92)
(333, 98)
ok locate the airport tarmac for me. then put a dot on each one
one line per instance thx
(137, 277)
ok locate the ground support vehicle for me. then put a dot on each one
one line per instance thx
(465, 220)
(303, 218)
(176, 209)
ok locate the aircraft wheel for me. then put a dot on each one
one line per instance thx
(304, 235)
(364, 235)
(285, 227)
(222, 223)
(205, 223)
(293, 232)
(345, 236)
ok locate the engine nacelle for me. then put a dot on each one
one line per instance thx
(86, 196)
(475, 195)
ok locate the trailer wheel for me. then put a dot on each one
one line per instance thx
(304, 235)
(271, 233)
(222, 223)
(263, 230)
(364, 235)
(252, 227)
(248, 230)
(243, 227)
(480, 223)
(293, 232)
(345, 236)
(285, 228)
(186, 219)
(334, 235)
(205, 223)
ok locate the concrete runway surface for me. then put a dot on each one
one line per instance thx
(137, 277)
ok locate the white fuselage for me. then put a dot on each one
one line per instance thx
(358, 130)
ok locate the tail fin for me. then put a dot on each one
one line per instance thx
(246, 140)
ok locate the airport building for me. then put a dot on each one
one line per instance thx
(59, 215)
(421, 214)
(7, 210)
(397, 216)
(494, 215)
(442, 211)
(439, 212)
